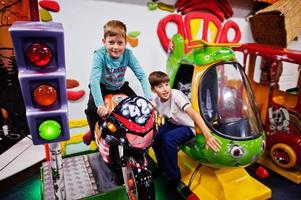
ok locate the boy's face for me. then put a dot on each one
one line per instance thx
(162, 90)
(115, 45)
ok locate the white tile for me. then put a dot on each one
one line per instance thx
(19, 157)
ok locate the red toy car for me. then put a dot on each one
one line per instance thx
(280, 107)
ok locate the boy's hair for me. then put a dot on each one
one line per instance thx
(114, 28)
(157, 77)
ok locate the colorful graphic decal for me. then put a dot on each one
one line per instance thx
(279, 119)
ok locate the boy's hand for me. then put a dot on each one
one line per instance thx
(213, 143)
(103, 111)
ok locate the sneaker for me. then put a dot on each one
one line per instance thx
(88, 137)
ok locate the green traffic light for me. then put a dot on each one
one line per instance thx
(49, 130)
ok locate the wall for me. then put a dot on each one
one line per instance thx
(83, 21)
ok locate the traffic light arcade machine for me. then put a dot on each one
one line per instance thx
(40, 56)
(39, 50)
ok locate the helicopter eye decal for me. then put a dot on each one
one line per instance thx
(236, 151)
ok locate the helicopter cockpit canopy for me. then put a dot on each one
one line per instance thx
(227, 103)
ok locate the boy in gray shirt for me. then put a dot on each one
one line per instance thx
(174, 105)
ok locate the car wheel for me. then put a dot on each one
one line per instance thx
(283, 155)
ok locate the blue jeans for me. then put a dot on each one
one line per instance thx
(165, 146)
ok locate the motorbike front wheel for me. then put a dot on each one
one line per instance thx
(139, 183)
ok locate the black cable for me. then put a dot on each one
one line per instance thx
(17, 134)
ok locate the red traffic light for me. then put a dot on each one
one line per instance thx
(45, 95)
(39, 54)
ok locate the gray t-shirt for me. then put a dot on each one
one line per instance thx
(175, 108)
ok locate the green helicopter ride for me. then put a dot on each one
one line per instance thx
(218, 88)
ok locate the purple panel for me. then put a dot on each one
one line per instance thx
(29, 82)
(51, 34)
(26, 33)
(35, 118)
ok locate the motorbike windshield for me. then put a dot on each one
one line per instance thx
(136, 115)
(227, 104)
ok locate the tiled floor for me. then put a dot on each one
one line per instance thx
(29, 188)
(26, 184)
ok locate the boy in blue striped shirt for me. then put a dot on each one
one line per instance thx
(109, 65)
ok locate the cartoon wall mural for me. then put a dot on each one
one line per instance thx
(13, 124)
(45, 7)
(132, 38)
(155, 4)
